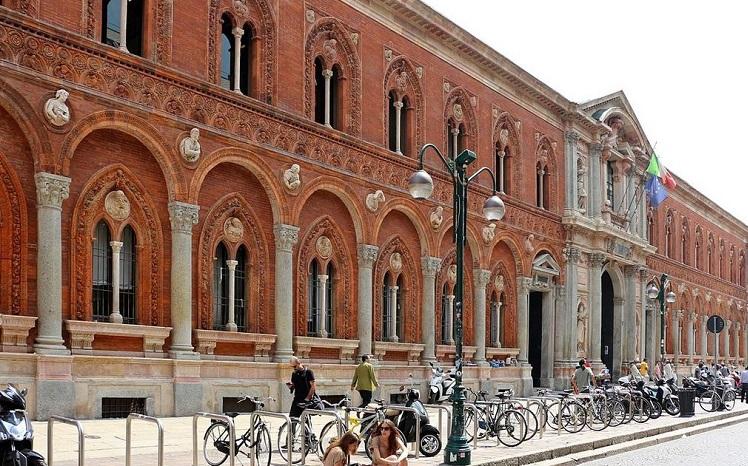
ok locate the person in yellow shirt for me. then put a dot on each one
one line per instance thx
(364, 380)
(644, 369)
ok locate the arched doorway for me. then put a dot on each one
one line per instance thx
(534, 353)
(608, 321)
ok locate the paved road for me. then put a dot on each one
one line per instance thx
(720, 447)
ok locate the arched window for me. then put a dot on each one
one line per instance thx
(220, 288)
(240, 289)
(542, 178)
(669, 250)
(336, 117)
(399, 119)
(227, 53)
(247, 65)
(722, 259)
(102, 273)
(407, 124)
(321, 300)
(113, 31)
(710, 254)
(684, 242)
(503, 168)
(128, 277)
(456, 137)
(732, 264)
(494, 309)
(741, 269)
(651, 231)
(319, 92)
(447, 301)
(392, 294)
(609, 183)
(330, 302)
(697, 252)
(393, 115)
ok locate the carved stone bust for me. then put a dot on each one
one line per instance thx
(498, 283)
(528, 242)
(233, 229)
(291, 178)
(457, 111)
(489, 233)
(323, 247)
(190, 146)
(56, 109)
(503, 138)
(436, 217)
(396, 262)
(117, 205)
(374, 199)
(452, 274)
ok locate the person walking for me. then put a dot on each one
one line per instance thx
(744, 385)
(364, 380)
(582, 378)
(302, 385)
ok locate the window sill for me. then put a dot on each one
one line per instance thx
(305, 345)
(447, 352)
(206, 341)
(15, 332)
(82, 334)
(413, 350)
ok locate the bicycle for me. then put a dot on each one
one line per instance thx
(310, 441)
(498, 419)
(598, 412)
(216, 438)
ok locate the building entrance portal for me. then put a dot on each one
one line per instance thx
(607, 330)
(535, 351)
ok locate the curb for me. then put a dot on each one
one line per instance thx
(585, 451)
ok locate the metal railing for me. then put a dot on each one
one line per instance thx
(541, 412)
(316, 412)
(289, 435)
(232, 435)
(476, 420)
(128, 436)
(417, 417)
(81, 438)
(446, 409)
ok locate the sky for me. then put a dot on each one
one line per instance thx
(683, 66)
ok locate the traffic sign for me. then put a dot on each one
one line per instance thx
(715, 324)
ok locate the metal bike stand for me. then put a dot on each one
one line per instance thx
(289, 437)
(353, 409)
(232, 435)
(407, 409)
(447, 410)
(474, 409)
(128, 436)
(531, 401)
(81, 438)
(498, 402)
(316, 412)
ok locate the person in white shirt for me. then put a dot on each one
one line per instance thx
(744, 385)
(669, 373)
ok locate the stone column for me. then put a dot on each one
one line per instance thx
(115, 316)
(653, 330)
(480, 280)
(548, 347)
(631, 274)
(367, 255)
(496, 316)
(327, 74)
(123, 25)
(704, 346)
(182, 217)
(238, 33)
(691, 337)
(393, 314)
(523, 318)
(570, 148)
(51, 190)
(398, 124)
(728, 324)
(644, 342)
(595, 186)
(541, 173)
(322, 306)
(455, 134)
(595, 287)
(430, 266)
(572, 301)
(677, 350)
(449, 325)
(286, 237)
(231, 324)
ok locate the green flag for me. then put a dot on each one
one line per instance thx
(654, 166)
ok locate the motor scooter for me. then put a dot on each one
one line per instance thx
(430, 441)
(441, 385)
(16, 432)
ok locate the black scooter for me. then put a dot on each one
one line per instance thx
(431, 442)
(16, 433)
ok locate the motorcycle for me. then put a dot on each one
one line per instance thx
(666, 395)
(430, 442)
(16, 432)
(441, 385)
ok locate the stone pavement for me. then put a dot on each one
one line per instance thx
(105, 441)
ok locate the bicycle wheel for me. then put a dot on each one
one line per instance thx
(552, 415)
(656, 411)
(216, 444)
(642, 410)
(672, 406)
(471, 420)
(617, 412)
(263, 447)
(573, 417)
(729, 400)
(598, 416)
(511, 428)
(628, 407)
(709, 401)
(530, 419)
(297, 437)
(328, 435)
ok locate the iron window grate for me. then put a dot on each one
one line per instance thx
(117, 408)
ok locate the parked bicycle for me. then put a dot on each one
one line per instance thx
(216, 439)
(304, 438)
(496, 418)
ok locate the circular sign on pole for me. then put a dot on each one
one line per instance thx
(715, 324)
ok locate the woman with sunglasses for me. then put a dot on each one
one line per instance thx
(340, 450)
(387, 449)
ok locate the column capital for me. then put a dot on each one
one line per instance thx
(596, 149)
(51, 189)
(231, 264)
(183, 216)
(728, 323)
(597, 259)
(237, 32)
(430, 266)
(455, 131)
(692, 316)
(481, 277)
(572, 254)
(523, 285)
(678, 315)
(322, 278)
(704, 320)
(398, 104)
(367, 255)
(737, 326)
(327, 73)
(286, 236)
(116, 246)
(571, 136)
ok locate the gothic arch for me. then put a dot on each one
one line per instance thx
(509, 242)
(26, 119)
(13, 236)
(410, 272)
(257, 13)
(506, 121)
(410, 86)
(343, 192)
(407, 207)
(545, 155)
(459, 96)
(345, 323)
(144, 219)
(326, 39)
(134, 126)
(259, 300)
(510, 314)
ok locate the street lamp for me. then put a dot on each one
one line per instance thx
(421, 186)
(656, 290)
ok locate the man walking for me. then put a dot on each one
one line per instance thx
(364, 380)
(583, 378)
(302, 385)
(744, 385)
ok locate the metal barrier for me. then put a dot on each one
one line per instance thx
(416, 415)
(289, 436)
(355, 409)
(128, 432)
(232, 435)
(447, 410)
(316, 412)
(474, 409)
(541, 412)
(81, 438)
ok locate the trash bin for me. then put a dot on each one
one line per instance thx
(686, 398)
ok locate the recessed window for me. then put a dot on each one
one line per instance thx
(127, 36)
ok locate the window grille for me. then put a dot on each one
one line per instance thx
(102, 273)
(117, 408)
(128, 277)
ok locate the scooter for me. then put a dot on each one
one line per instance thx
(441, 385)
(430, 442)
(16, 432)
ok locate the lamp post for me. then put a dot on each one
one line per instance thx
(656, 290)
(421, 186)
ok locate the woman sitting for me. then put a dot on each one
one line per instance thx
(340, 450)
(387, 449)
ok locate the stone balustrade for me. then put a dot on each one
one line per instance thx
(447, 352)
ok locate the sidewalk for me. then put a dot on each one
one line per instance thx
(105, 441)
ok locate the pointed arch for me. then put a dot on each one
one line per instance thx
(547, 179)
(13, 233)
(411, 295)
(511, 152)
(443, 278)
(402, 78)
(459, 114)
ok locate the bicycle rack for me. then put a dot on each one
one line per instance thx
(441, 409)
(474, 408)
(541, 421)
(216, 417)
(355, 409)
(81, 438)
(128, 436)
(289, 436)
(407, 409)
(316, 412)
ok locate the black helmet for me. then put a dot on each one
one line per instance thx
(11, 398)
(413, 394)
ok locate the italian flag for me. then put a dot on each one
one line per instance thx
(656, 168)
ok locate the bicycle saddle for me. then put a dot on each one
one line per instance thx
(231, 414)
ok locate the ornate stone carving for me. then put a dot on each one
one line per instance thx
(419, 72)
(311, 17)
(503, 138)
(452, 274)
(489, 233)
(581, 182)
(401, 79)
(597, 259)
(529, 247)
(447, 86)
(367, 254)
(183, 216)
(581, 328)
(388, 54)
(189, 147)
(233, 229)
(354, 37)
(373, 200)
(292, 178)
(117, 205)
(51, 189)
(56, 109)
(323, 247)
(498, 283)
(330, 51)
(286, 236)
(430, 266)
(457, 112)
(436, 217)
(396, 262)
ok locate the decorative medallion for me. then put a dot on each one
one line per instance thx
(436, 217)
(117, 205)
(498, 283)
(452, 274)
(190, 146)
(396, 262)
(503, 137)
(233, 229)
(291, 177)
(374, 199)
(324, 247)
(457, 111)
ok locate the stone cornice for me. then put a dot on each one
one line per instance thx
(703, 281)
